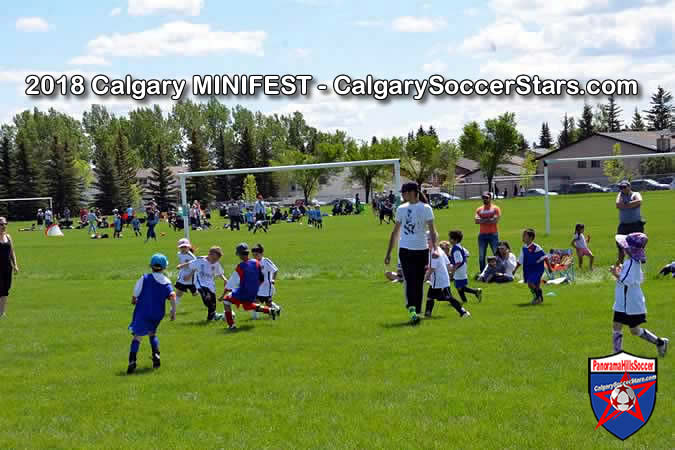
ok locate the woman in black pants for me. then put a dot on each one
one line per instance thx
(412, 217)
(7, 264)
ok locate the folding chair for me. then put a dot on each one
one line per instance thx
(560, 262)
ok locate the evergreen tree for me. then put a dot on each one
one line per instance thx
(572, 130)
(638, 124)
(126, 172)
(267, 185)
(24, 184)
(199, 188)
(613, 112)
(107, 196)
(223, 149)
(373, 141)
(161, 183)
(62, 178)
(564, 136)
(545, 140)
(5, 174)
(660, 115)
(585, 124)
(421, 132)
(432, 131)
(244, 157)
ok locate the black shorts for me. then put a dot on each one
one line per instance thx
(632, 320)
(442, 294)
(185, 287)
(261, 299)
(628, 228)
(5, 283)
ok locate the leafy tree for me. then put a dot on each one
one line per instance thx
(161, 184)
(545, 140)
(637, 124)
(147, 128)
(614, 169)
(660, 114)
(244, 157)
(62, 176)
(657, 166)
(199, 188)
(421, 157)
(224, 150)
(126, 171)
(496, 143)
(450, 154)
(585, 124)
(368, 176)
(250, 188)
(529, 169)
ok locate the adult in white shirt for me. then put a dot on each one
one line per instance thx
(259, 208)
(412, 217)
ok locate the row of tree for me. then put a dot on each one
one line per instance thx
(607, 118)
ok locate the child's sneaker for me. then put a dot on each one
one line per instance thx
(466, 315)
(278, 308)
(663, 348)
(232, 327)
(273, 313)
(132, 368)
(155, 360)
(479, 295)
(219, 316)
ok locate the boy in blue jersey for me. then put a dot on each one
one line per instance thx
(532, 258)
(151, 292)
(118, 224)
(244, 285)
(137, 226)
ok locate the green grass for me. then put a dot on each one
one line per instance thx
(341, 369)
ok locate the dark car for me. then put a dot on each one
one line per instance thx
(648, 184)
(586, 188)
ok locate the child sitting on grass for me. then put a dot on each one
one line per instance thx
(580, 243)
(151, 292)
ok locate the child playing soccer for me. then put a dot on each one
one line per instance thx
(244, 284)
(268, 287)
(185, 280)
(117, 221)
(206, 270)
(318, 219)
(136, 224)
(439, 278)
(458, 256)
(151, 292)
(629, 301)
(532, 258)
(580, 242)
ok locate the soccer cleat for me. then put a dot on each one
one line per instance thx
(273, 313)
(466, 315)
(427, 314)
(479, 295)
(232, 327)
(155, 360)
(663, 348)
(278, 308)
(132, 368)
(415, 320)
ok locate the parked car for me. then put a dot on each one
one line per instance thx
(613, 188)
(586, 188)
(340, 200)
(670, 181)
(647, 184)
(441, 199)
(537, 192)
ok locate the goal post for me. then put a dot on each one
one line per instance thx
(550, 162)
(331, 165)
(27, 199)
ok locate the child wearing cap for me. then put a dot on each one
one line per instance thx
(458, 260)
(185, 281)
(533, 259)
(206, 269)
(117, 221)
(151, 292)
(629, 302)
(244, 285)
(268, 287)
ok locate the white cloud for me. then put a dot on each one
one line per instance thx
(32, 24)
(89, 60)
(116, 12)
(19, 75)
(301, 53)
(330, 112)
(410, 24)
(177, 38)
(369, 23)
(507, 34)
(435, 67)
(146, 7)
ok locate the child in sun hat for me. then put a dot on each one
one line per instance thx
(185, 281)
(629, 301)
(151, 292)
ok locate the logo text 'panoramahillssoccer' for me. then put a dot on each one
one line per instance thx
(622, 388)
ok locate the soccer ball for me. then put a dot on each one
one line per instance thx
(623, 397)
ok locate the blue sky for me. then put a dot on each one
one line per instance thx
(389, 39)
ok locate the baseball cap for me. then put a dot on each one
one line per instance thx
(410, 187)
(624, 183)
(159, 260)
(242, 249)
(258, 249)
(184, 243)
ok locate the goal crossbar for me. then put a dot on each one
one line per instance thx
(331, 165)
(27, 199)
(549, 162)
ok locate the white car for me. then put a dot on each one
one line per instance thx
(536, 192)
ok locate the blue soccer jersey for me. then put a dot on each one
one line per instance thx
(532, 259)
(250, 278)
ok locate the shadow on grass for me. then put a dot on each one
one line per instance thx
(141, 371)
(240, 328)
(195, 323)
(523, 305)
(397, 325)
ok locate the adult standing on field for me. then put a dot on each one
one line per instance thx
(7, 264)
(630, 219)
(487, 216)
(412, 217)
(259, 208)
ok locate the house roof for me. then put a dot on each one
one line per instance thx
(145, 173)
(468, 164)
(513, 167)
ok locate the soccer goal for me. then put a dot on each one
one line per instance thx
(252, 170)
(7, 200)
(551, 162)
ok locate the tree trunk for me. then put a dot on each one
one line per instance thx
(368, 183)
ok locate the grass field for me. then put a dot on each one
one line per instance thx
(341, 368)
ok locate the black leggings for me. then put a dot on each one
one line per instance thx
(209, 300)
(413, 264)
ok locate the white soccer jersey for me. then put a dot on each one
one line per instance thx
(459, 255)
(628, 296)
(267, 289)
(440, 278)
(185, 274)
(206, 273)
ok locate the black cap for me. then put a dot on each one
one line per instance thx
(258, 249)
(242, 249)
(410, 187)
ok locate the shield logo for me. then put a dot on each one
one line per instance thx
(622, 388)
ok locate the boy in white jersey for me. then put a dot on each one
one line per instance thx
(629, 301)
(438, 277)
(206, 270)
(185, 281)
(267, 289)
(458, 261)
